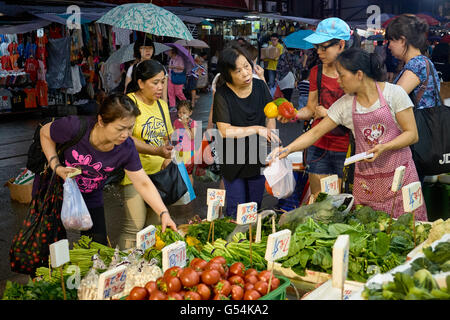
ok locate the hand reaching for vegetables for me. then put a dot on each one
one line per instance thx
(166, 221)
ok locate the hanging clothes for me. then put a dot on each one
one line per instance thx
(58, 67)
(76, 80)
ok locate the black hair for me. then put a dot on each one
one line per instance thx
(355, 59)
(139, 43)
(274, 35)
(117, 106)
(413, 28)
(227, 62)
(305, 74)
(184, 103)
(143, 71)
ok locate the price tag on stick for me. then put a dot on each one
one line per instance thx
(277, 247)
(412, 200)
(215, 194)
(330, 185)
(397, 183)
(59, 255)
(340, 262)
(174, 255)
(111, 282)
(247, 213)
(146, 238)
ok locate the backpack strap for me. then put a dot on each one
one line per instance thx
(77, 138)
(319, 81)
(423, 87)
(164, 117)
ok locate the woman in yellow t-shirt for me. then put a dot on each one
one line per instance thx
(150, 137)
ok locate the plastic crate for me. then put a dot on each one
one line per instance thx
(280, 292)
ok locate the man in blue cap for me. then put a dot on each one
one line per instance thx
(326, 157)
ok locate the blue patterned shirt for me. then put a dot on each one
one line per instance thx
(418, 66)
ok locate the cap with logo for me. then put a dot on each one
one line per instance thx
(331, 28)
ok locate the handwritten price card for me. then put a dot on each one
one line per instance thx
(59, 253)
(247, 213)
(213, 195)
(330, 185)
(278, 245)
(146, 238)
(213, 210)
(174, 255)
(111, 282)
(412, 196)
(340, 260)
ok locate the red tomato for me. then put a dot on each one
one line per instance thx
(223, 287)
(251, 295)
(210, 277)
(261, 287)
(189, 277)
(249, 286)
(198, 264)
(174, 296)
(237, 293)
(264, 275)
(220, 296)
(215, 266)
(158, 295)
(151, 286)
(173, 284)
(275, 283)
(204, 291)
(251, 278)
(161, 283)
(219, 259)
(237, 269)
(173, 272)
(191, 295)
(236, 280)
(138, 293)
(251, 271)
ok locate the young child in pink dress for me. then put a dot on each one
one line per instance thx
(185, 131)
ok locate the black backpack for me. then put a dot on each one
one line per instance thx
(37, 162)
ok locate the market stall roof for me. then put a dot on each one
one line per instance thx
(207, 13)
(24, 28)
(290, 18)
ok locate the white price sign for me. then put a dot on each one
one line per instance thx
(398, 179)
(247, 213)
(59, 253)
(213, 195)
(330, 185)
(412, 196)
(111, 282)
(213, 210)
(146, 238)
(340, 260)
(174, 255)
(278, 245)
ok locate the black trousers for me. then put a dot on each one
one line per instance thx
(98, 230)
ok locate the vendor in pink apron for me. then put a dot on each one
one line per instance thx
(381, 118)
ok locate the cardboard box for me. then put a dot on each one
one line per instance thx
(270, 52)
(20, 192)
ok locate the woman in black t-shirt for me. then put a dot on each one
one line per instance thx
(238, 111)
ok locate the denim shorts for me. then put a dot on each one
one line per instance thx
(321, 161)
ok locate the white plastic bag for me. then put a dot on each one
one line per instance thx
(280, 177)
(74, 213)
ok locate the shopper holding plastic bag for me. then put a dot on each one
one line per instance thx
(74, 212)
(105, 146)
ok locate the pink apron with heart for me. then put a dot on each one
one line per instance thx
(373, 180)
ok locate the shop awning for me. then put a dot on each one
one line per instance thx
(207, 13)
(289, 18)
(24, 28)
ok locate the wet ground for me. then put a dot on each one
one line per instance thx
(16, 134)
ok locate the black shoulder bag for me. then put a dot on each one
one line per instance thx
(431, 153)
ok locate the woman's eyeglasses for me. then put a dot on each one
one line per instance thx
(324, 48)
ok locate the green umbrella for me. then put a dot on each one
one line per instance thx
(146, 17)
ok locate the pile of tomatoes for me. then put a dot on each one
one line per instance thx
(212, 280)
